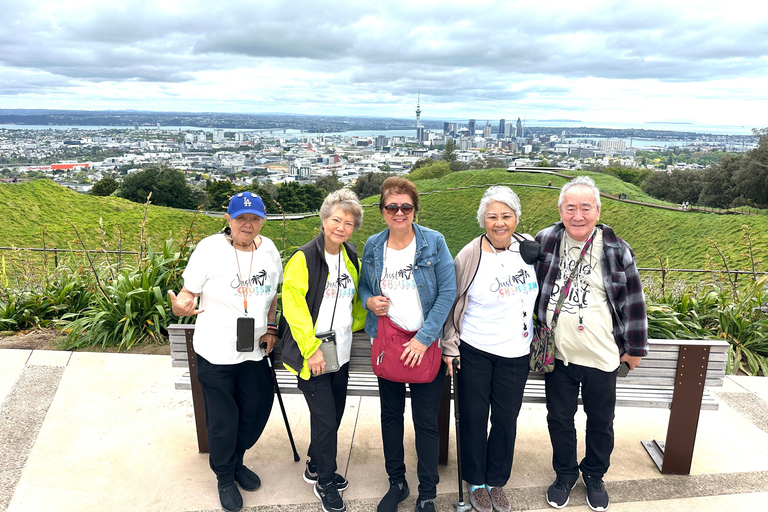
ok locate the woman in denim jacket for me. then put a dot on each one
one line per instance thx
(407, 274)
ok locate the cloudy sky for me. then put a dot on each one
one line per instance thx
(704, 62)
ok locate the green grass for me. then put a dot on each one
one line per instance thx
(40, 207)
(29, 209)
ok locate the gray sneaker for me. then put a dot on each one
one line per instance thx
(597, 496)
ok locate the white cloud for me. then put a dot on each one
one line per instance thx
(593, 60)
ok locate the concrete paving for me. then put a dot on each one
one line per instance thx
(109, 431)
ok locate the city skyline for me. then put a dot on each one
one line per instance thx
(701, 63)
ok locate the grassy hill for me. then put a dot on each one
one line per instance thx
(28, 210)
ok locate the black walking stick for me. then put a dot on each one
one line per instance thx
(296, 457)
(460, 505)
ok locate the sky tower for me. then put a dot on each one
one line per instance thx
(418, 109)
(419, 130)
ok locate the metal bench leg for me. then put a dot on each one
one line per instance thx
(197, 395)
(444, 421)
(675, 455)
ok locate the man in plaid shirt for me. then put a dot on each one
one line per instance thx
(602, 325)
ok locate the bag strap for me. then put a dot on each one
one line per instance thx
(567, 286)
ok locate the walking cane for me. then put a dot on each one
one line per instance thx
(296, 457)
(460, 505)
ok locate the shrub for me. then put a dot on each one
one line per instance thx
(131, 308)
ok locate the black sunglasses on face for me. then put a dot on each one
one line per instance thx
(392, 208)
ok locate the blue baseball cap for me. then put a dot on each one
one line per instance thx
(246, 202)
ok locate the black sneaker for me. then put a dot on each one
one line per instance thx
(425, 505)
(230, 498)
(329, 497)
(398, 491)
(248, 480)
(310, 476)
(597, 496)
(559, 492)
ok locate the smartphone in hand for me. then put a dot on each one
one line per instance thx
(623, 369)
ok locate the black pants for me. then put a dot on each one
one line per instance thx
(425, 404)
(326, 396)
(238, 399)
(598, 394)
(489, 382)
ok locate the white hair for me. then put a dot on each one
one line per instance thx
(501, 194)
(580, 181)
(347, 201)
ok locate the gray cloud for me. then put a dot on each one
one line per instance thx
(452, 53)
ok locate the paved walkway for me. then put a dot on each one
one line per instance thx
(109, 431)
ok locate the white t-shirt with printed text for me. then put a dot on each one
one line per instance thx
(213, 272)
(584, 331)
(499, 314)
(398, 284)
(341, 285)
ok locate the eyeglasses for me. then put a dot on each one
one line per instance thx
(406, 208)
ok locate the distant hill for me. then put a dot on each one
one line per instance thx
(29, 210)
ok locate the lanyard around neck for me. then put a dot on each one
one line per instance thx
(248, 277)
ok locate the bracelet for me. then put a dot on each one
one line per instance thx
(271, 324)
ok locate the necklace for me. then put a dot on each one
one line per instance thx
(522, 300)
(494, 249)
(578, 283)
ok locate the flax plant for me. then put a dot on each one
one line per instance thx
(131, 308)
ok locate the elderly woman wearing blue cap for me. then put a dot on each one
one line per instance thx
(237, 273)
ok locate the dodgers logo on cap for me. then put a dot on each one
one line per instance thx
(246, 202)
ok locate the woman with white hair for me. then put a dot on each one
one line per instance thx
(489, 330)
(321, 309)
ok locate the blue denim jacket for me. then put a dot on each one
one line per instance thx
(432, 271)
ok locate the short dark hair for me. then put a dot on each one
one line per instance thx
(398, 185)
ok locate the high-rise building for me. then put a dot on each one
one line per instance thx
(519, 129)
(613, 145)
(502, 125)
(487, 130)
(420, 134)
(471, 127)
(446, 127)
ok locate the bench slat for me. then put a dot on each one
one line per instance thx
(650, 385)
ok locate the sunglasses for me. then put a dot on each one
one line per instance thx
(392, 208)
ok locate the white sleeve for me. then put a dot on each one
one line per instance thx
(196, 274)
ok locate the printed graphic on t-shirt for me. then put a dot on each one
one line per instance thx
(400, 279)
(577, 298)
(510, 285)
(342, 285)
(254, 286)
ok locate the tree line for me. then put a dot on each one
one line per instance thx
(737, 180)
(169, 188)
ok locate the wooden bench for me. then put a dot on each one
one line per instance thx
(673, 375)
